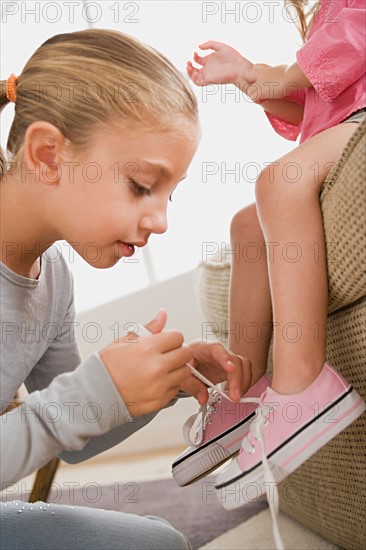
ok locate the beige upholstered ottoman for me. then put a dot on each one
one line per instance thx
(328, 493)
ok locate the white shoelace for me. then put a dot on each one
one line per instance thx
(257, 431)
(202, 418)
(256, 428)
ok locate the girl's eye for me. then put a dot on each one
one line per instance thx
(139, 189)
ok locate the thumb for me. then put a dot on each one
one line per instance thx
(158, 323)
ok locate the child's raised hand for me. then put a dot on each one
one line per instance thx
(148, 371)
(224, 66)
(217, 364)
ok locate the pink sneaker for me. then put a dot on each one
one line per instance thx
(285, 432)
(219, 427)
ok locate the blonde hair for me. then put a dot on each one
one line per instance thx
(303, 17)
(78, 81)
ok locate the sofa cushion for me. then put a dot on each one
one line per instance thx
(343, 204)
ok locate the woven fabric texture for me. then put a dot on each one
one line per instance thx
(328, 493)
(343, 204)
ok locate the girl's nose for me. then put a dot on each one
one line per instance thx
(155, 221)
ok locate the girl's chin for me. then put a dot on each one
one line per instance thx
(103, 261)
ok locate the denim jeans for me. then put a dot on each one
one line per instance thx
(41, 526)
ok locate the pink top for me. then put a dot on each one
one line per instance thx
(334, 61)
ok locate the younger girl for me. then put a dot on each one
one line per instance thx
(316, 96)
(87, 100)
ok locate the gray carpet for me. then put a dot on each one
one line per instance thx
(194, 510)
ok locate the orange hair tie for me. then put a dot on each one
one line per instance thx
(11, 88)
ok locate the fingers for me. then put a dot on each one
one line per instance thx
(232, 364)
(211, 45)
(234, 368)
(167, 341)
(221, 355)
(198, 59)
(196, 388)
(235, 378)
(158, 323)
(176, 358)
(179, 378)
(194, 74)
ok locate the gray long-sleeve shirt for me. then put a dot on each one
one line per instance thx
(73, 407)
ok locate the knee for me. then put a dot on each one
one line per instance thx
(167, 537)
(281, 185)
(178, 541)
(265, 188)
(244, 224)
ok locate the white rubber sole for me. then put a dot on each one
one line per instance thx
(196, 463)
(250, 485)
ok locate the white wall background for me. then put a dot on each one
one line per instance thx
(235, 132)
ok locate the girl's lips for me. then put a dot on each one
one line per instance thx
(125, 249)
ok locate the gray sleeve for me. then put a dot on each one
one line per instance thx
(106, 441)
(62, 354)
(75, 407)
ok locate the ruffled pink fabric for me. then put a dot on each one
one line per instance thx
(334, 61)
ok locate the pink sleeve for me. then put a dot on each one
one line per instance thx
(334, 56)
(287, 129)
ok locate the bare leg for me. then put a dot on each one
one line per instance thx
(289, 211)
(250, 309)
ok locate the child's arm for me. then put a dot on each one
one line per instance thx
(289, 111)
(268, 83)
(127, 379)
(227, 66)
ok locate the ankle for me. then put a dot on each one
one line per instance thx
(296, 379)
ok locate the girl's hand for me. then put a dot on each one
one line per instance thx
(148, 371)
(218, 365)
(224, 66)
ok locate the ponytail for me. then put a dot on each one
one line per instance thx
(3, 102)
(303, 18)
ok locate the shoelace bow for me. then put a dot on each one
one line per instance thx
(256, 428)
(202, 418)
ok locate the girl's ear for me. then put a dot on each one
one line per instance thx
(43, 149)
